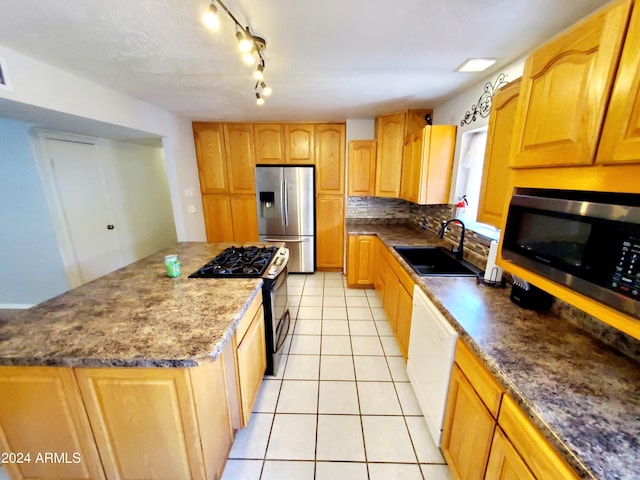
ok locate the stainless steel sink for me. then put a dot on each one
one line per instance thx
(436, 261)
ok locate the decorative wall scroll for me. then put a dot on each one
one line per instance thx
(483, 107)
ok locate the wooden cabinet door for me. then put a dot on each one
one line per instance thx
(468, 430)
(299, 144)
(144, 413)
(390, 131)
(416, 120)
(620, 141)
(406, 179)
(379, 270)
(41, 411)
(543, 460)
(435, 181)
(329, 140)
(251, 365)
(362, 168)
(244, 213)
(504, 461)
(330, 231)
(391, 297)
(268, 143)
(565, 90)
(211, 157)
(360, 260)
(403, 320)
(240, 158)
(493, 189)
(217, 218)
(419, 154)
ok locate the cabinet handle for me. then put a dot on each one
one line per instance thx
(110, 227)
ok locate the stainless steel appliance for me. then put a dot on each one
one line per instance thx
(432, 345)
(285, 201)
(269, 263)
(587, 241)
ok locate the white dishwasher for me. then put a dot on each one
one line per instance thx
(432, 344)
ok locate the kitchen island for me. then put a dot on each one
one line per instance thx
(133, 375)
(580, 393)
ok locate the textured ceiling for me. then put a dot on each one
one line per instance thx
(326, 60)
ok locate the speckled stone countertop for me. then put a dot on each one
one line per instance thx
(134, 317)
(583, 395)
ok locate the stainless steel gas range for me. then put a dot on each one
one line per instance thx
(270, 264)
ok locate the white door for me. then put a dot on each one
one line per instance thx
(84, 203)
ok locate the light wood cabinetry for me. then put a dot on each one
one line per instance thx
(251, 360)
(486, 435)
(240, 158)
(211, 156)
(329, 145)
(403, 319)
(268, 140)
(299, 143)
(390, 132)
(330, 232)
(565, 91)
(468, 429)
(218, 219)
(428, 164)
(41, 411)
(620, 141)
(360, 260)
(504, 461)
(244, 213)
(495, 171)
(362, 168)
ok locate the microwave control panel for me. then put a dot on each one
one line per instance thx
(626, 277)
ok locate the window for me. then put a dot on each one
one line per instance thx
(472, 149)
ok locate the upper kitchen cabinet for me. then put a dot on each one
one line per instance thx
(212, 160)
(390, 136)
(240, 158)
(390, 132)
(495, 170)
(428, 164)
(362, 168)
(299, 143)
(565, 90)
(620, 141)
(269, 143)
(329, 140)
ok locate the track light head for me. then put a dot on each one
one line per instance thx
(259, 99)
(210, 18)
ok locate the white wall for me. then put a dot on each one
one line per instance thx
(31, 267)
(36, 83)
(452, 111)
(360, 129)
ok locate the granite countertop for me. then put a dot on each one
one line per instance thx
(583, 395)
(134, 317)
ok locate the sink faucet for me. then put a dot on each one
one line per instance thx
(457, 252)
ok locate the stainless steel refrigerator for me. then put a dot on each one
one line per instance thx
(285, 201)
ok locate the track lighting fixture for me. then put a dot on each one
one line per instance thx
(251, 46)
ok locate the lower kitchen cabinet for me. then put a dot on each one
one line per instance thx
(403, 320)
(360, 260)
(486, 435)
(330, 232)
(504, 462)
(468, 429)
(41, 411)
(244, 213)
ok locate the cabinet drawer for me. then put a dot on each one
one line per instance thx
(247, 318)
(480, 378)
(536, 451)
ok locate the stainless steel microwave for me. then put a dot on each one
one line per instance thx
(587, 241)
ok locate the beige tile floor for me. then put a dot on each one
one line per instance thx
(340, 406)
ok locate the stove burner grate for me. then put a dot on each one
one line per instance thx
(243, 262)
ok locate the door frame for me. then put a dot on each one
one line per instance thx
(54, 202)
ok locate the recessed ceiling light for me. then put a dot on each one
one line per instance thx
(476, 64)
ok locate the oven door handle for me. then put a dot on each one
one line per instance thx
(286, 240)
(286, 318)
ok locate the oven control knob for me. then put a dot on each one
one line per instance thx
(273, 270)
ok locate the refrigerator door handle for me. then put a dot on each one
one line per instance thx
(285, 203)
(286, 240)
